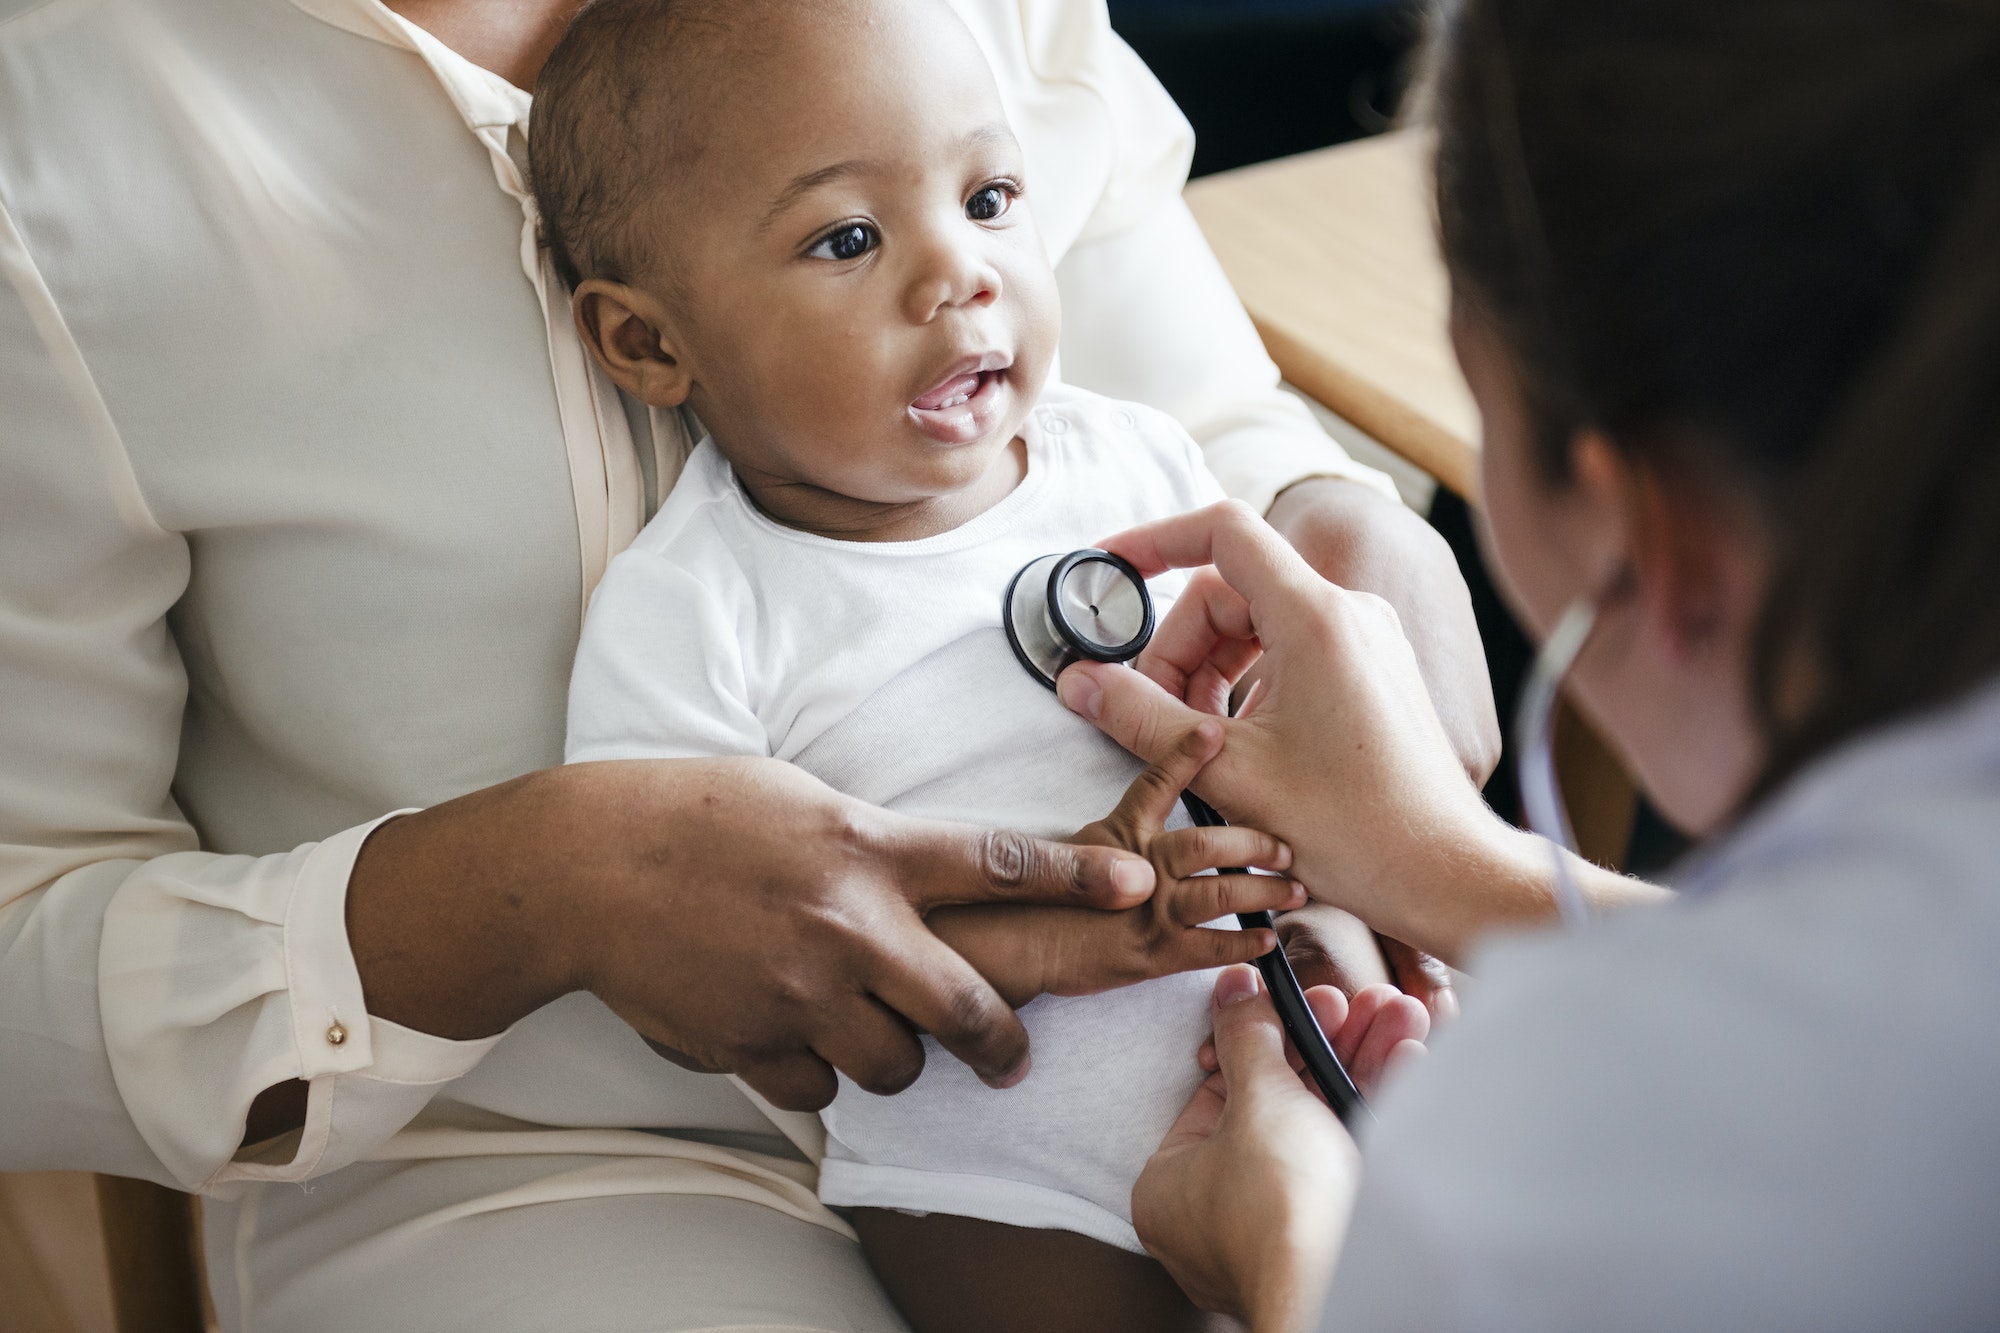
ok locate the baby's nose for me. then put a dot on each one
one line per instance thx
(955, 276)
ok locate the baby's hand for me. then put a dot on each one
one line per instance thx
(1027, 952)
(1377, 1032)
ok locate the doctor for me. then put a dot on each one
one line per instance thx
(1727, 292)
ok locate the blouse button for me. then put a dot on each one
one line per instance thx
(1124, 419)
(1057, 425)
(335, 1035)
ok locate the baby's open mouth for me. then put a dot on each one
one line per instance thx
(954, 391)
(966, 403)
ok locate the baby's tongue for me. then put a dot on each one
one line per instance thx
(960, 387)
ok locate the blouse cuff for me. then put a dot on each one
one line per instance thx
(221, 976)
(368, 1077)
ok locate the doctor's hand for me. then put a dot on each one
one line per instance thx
(1355, 536)
(1339, 752)
(1027, 952)
(734, 911)
(1247, 1199)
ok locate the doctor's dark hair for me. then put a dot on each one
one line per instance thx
(1759, 240)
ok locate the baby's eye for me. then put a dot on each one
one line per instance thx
(849, 242)
(988, 203)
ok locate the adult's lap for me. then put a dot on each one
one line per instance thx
(396, 1245)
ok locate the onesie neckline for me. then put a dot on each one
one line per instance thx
(979, 528)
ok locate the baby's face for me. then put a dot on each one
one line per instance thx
(862, 305)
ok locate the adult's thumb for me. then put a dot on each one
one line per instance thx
(1249, 1039)
(1128, 707)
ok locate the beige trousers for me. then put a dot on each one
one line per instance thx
(531, 1244)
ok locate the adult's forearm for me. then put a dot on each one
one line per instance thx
(1496, 880)
(1360, 539)
(454, 913)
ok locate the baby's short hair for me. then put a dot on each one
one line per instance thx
(614, 121)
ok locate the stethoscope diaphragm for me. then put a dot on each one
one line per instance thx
(1089, 605)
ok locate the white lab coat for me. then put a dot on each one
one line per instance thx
(1773, 1105)
(304, 481)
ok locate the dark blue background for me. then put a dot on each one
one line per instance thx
(1263, 78)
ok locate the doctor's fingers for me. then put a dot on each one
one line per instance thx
(1249, 1041)
(933, 988)
(1204, 644)
(1376, 1032)
(1255, 559)
(938, 864)
(1135, 712)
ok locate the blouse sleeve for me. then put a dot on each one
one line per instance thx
(149, 990)
(1148, 314)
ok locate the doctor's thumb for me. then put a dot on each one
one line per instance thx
(1249, 1040)
(1129, 708)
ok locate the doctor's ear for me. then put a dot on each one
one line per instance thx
(1694, 552)
(630, 335)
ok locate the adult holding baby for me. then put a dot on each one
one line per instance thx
(1727, 295)
(308, 481)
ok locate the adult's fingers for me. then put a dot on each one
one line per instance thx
(1149, 801)
(800, 1081)
(1204, 644)
(1374, 1033)
(1129, 708)
(1232, 536)
(1249, 1040)
(1329, 947)
(870, 1044)
(935, 990)
(1420, 975)
(939, 863)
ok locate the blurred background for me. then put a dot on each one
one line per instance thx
(1264, 78)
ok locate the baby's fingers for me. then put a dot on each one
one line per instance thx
(1189, 851)
(1196, 950)
(1191, 902)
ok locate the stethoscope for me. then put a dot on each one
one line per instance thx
(1091, 605)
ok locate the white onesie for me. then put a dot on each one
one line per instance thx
(882, 669)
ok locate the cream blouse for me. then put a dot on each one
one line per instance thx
(304, 481)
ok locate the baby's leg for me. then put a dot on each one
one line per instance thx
(960, 1275)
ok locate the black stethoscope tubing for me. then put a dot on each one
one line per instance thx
(1289, 997)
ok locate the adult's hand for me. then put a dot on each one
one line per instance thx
(1339, 753)
(1354, 536)
(1329, 947)
(1031, 951)
(735, 911)
(1247, 1198)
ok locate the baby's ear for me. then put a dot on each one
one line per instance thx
(627, 332)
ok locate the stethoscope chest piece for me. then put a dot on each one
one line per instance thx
(1089, 605)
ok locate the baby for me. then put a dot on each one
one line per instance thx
(809, 224)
